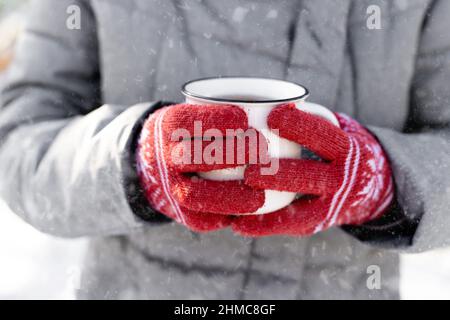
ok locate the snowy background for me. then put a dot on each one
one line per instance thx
(36, 266)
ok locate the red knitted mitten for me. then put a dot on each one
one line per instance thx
(170, 184)
(351, 186)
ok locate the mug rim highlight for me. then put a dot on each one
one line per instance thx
(187, 93)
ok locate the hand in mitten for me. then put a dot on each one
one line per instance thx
(352, 185)
(167, 162)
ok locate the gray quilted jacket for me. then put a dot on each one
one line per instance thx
(76, 97)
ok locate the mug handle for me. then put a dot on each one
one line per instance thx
(318, 110)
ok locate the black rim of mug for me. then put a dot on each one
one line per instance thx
(202, 97)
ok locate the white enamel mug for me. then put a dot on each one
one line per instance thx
(257, 97)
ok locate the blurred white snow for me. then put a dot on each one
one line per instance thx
(426, 276)
(34, 265)
(37, 266)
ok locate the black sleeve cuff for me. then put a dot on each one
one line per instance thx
(394, 230)
(134, 192)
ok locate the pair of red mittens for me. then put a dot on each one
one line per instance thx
(352, 185)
